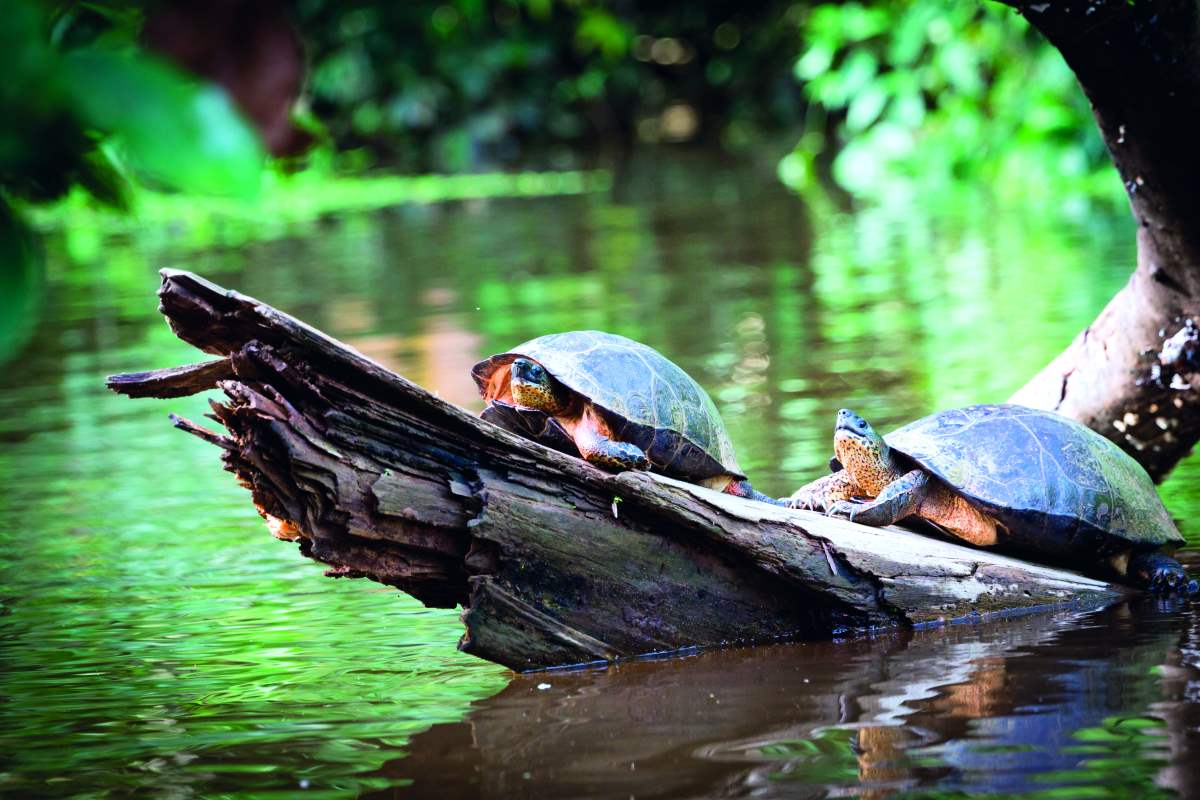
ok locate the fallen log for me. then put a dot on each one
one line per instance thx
(553, 561)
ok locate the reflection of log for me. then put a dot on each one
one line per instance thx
(1179, 710)
(996, 706)
(554, 561)
(1134, 373)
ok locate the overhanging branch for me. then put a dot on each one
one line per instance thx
(1132, 374)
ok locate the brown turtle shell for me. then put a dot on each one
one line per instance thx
(1058, 486)
(646, 399)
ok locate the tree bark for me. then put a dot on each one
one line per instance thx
(1132, 373)
(553, 561)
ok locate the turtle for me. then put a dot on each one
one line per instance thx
(1006, 476)
(618, 403)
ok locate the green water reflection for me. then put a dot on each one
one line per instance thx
(153, 637)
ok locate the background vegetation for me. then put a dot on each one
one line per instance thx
(109, 100)
(113, 100)
(98, 92)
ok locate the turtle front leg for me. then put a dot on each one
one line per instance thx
(1158, 572)
(824, 492)
(899, 499)
(603, 452)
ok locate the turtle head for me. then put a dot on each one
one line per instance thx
(534, 387)
(862, 451)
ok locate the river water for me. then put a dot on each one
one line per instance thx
(155, 641)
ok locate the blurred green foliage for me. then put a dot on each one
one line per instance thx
(896, 90)
(906, 88)
(93, 109)
(85, 107)
(453, 84)
(939, 92)
(171, 130)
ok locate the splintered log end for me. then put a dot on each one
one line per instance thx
(212, 437)
(172, 382)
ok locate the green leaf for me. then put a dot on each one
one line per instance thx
(103, 179)
(601, 30)
(910, 34)
(170, 128)
(816, 61)
(860, 23)
(908, 109)
(858, 71)
(866, 107)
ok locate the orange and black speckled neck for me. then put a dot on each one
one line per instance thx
(533, 387)
(864, 453)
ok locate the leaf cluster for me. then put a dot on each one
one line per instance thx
(84, 105)
(456, 84)
(942, 93)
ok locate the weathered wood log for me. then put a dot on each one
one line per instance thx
(553, 561)
(1134, 373)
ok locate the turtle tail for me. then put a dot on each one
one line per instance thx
(743, 488)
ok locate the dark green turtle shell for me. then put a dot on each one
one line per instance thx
(646, 399)
(1060, 488)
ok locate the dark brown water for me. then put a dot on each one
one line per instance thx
(1017, 707)
(155, 641)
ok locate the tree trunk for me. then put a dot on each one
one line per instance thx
(1132, 374)
(553, 561)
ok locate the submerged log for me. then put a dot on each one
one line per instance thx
(553, 561)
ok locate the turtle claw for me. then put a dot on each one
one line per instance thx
(844, 509)
(805, 501)
(1172, 579)
(1160, 573)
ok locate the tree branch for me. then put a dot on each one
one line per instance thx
(1132, 374)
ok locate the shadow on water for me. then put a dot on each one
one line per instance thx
(1020, 706)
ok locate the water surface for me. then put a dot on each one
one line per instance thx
(154, 640)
